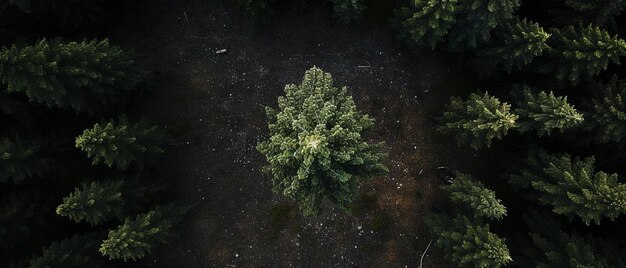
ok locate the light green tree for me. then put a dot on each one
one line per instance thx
(543, 112)
(476, 196)
(316, 150)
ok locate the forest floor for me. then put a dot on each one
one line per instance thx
(219, 98)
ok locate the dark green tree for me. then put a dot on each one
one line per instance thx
(84, 76)
(478, 120)
(348, 10)
(78, 251)
(609, 112)
(100, 201)
(468, 244)
(136, 237)
(543, 112)
(19, 160)
(121, 143)
(521, 42)
(582, 52)
(20, 217)
(316, 150)
(476, 196)
(426, 22)
(572, 187)
(598, 12)
(476, 19)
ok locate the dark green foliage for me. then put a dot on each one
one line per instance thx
(77, 251)
(120, 143)
(609, 112)
(468, 244)
(477, 196)
(543, 112)
(521, 42)
(582, 52)
(572, 187)
(136, 237)
(100, 201)
(348, 10)
(476, 19)
(598, 12)
(19, 160)
(71, 13)
(18, 214)
(316, 150)
(478, 120)
(84, 76)
(426, 22)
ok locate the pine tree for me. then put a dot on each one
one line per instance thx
(348, 10)
(522, 41)
(598, 12)
(84, 76)
(468, 244)
(477, 196)
(136, 237)
(99, 201)
(316, 150)
(609, 113)
(571, 187)
(478, 120)
(544, 112)
(121, 143)
(582, 52)
(476, 20)
(19, 160)
(427, 22)
(77, 251)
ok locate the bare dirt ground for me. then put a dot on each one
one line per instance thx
(219, 100)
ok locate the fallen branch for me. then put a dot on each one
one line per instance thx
(423, 254)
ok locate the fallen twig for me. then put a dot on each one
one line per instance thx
(424, 254)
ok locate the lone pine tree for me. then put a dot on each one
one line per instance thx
(74, 252)
(19, 160)
(478, 120)
(543, 112)
(83, 76)
(468, 244)
(572, 187)
(609, 112)
(136, 237)
(120, 143)
(316, 149)
(582, 52)
(481, 200)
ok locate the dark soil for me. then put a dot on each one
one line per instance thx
(219, 100)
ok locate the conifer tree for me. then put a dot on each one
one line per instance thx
(468, 244)
(544, 112)
(478, 120)
(582, 52)
(476, 196)
(477, 18)
(598, 12)
(427, 22)
(316, 150)
(348, 10)
(522, 41)
(120, 143)
(609, 113)
(572, 187)
(19, 160)
(77, 251)
(136, 237)
(84, 76)
(97, 202)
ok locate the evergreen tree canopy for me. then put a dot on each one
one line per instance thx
(427, 22)
(477, 18)
(544, 112)
(95, 202)
(609, 112)
(583, 52)
(121, 143)
(478, 120)
(468, 244)
(19, 160)
(522, 41)
(316, 150)
(571, 187)
(598, 12)
(136, 237)
(74, 252)
(348, 10)
(84, 76)
(477, 196)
